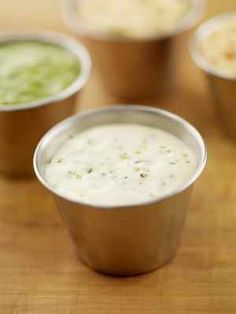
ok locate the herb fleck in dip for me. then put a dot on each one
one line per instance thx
(34, 70)
(120, 164)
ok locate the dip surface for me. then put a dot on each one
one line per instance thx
(120, 164)
(34, 70)
(219, 48)
(132, 18)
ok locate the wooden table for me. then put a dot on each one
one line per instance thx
(39, 271)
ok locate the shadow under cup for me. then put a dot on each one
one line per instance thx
(124, 240)
(133, 69)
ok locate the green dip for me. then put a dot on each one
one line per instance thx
(34, 70)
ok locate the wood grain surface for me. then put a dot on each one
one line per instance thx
(39, 271)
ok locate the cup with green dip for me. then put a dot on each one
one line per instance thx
(41, 76)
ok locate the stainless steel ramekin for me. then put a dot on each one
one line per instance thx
(124, 240)
(223, 87)
(21, 126)
(133, 69)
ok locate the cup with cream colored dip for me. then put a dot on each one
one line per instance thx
(122, 179)
(41, 75)
(213, 49)
(131, 41)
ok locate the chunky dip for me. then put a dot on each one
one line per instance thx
(120, 164)
(219, 48)
(34, 70)
(132, 18)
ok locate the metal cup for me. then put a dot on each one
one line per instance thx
(124, 240)
(21, 126)
(223, 87)
(133, 69)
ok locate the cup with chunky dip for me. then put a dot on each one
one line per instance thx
(122, 178)
(213, 49)
(131, 41)
(40, 78)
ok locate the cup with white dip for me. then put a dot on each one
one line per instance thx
(213, 49)
(131, 41)
(122, 179)
(41, 76)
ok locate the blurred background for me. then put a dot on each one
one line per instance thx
(47, 14)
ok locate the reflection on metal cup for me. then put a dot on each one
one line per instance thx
(124, 240)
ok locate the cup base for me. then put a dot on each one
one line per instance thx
(122, 273)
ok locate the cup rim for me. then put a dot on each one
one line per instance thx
(202, 32)
(195, 13)
(64, 41)
(69, 122)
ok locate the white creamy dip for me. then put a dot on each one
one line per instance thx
(132, 18)
(120, 164)
(219, 48)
